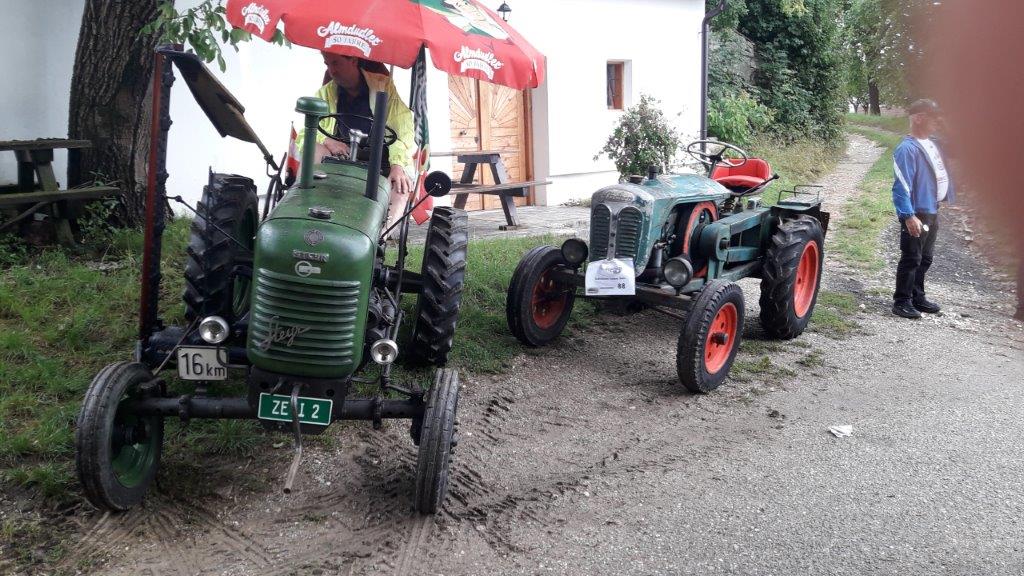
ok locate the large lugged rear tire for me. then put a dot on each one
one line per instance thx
(710, 336)
(537, 307)
(444, 274)
(438, 437)
(229, 202)
(116, 453)
(791, 276)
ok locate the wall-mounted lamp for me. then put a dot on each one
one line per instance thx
(504, 10)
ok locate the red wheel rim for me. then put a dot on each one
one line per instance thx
(548, 302)
(806, 279)
(721, 338)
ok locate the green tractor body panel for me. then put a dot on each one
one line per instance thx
(627, 219)
(312, 276)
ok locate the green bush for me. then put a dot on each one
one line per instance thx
(737, 118)
(642, 138)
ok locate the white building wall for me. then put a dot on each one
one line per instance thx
(37, 44)
(660, 39)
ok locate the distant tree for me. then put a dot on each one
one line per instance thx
(886, 49)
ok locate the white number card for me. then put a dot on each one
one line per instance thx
(611, 277)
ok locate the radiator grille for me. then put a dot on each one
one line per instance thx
(324, 310)
(627, 236)
(600, 220)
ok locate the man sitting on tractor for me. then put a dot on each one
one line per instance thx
(351, 91)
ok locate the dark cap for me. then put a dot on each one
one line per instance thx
(923, 106)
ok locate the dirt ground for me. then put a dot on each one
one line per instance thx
(589, 458)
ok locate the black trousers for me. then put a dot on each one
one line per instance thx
(915, 259)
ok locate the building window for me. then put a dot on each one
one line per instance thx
(616, 85)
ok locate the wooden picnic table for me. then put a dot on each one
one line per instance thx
(505, 190)
(37, 185)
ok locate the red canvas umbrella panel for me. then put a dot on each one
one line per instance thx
(464, 37)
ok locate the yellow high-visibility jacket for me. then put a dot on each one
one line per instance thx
(399, 116)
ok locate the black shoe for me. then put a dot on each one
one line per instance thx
(905, 310)
(923, 305)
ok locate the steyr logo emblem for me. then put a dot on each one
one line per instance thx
(304, 269)
(314, 237)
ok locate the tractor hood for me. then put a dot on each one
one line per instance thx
(312, 274)
(338, 193)
(692, 187)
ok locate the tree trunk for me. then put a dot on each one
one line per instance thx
(110, 96)
(873, 103)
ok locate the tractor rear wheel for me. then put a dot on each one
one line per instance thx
(228, 205)
(438, 438)
(117, 453)
(443, 273)
(791, 276)
(710, 336)
(538, 307)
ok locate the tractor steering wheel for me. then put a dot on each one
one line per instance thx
(717, 159)
(390, 136)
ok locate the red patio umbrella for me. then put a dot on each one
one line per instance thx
(464, 37)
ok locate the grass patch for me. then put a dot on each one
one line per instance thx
(832, 314)
(801, 162)
(62, 318)
(895, 124)
(867, 215)
(743, 370)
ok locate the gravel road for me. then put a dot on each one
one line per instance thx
(588, 458)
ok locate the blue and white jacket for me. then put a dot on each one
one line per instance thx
(915, 190)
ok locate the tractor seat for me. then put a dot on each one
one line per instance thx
(751, 174)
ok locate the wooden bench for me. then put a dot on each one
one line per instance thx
(37, 185)
(505, 190)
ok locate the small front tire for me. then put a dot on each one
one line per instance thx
(117, 454)
(538, 307)
(437, 440)
(710, 337)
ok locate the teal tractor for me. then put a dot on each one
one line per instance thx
(678, 244)
(300, 304)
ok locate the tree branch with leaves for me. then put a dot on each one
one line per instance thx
(203, 28)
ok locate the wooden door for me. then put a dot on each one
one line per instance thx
(487, 116)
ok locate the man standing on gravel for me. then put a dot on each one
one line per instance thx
(921, 183)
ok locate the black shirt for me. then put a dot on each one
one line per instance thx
(358, 105)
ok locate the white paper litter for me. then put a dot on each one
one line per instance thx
(841, 431)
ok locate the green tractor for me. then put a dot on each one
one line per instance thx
(299, 302)
(677, 244)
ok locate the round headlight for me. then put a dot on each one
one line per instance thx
(678, 271)
(384, 351)
(574, 251)
(214, 330)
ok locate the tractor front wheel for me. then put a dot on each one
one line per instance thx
(710, 336)
(444, 274)
(437, 440)
(538, 306)
(116, 452)
(228, 206)
(791, 276)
